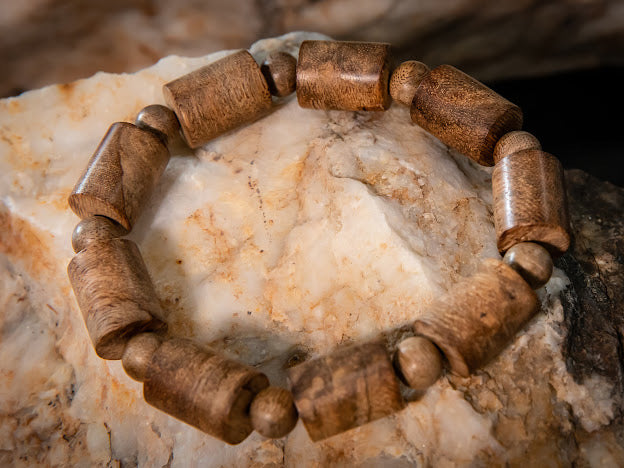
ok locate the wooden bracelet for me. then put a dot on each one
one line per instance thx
(462, 331)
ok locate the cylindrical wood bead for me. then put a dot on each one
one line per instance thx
(280, 72)
(418, 362)
(115, 294)
(345, 389)
(463, 113)
(161, 120)
(93, 229)
(513, 142)
(273, 413)
(530, 201)
(138, 354)
(532, 261)
(121, 175)
(348, 76)
(479, 317)
(203, 389)
(218, 97)
(405, 80)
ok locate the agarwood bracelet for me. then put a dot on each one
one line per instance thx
(354, 385)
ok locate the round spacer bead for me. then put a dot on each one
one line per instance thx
(513, 142)
(531, 261)
(95, 228)
(418, 362)
(280, 72)
(160, 120)
(405, 79)
(273, 413)
(138, 354)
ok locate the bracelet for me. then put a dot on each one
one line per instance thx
(461, 331)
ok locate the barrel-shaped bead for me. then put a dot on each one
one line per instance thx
(418, 362)
(479, 316)
(160, 120)
(463, 113)
(532, 261)
(280, 72)
(273, 413)
(94, 229)
(203, 389)
(405, 80)
(338, 75)
(138, 354)
(513, 142)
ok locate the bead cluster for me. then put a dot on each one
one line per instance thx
(358, 384)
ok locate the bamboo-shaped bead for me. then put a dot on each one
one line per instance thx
(218, 97)
(93, 229)
(479, 317)
(273, 413)
(348, 76)
(345, 389)
(121, 175)
(530, 201)
(463, 113)
(115, 294)
(203, 389)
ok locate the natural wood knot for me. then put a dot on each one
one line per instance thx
(405, 80)
(280, 72)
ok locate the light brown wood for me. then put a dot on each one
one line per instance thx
(121, 175)
(218, 97)
(532, 261)
(513, 142)
(345, 389)
(479, 316)
(273, 413)
(463, 113)
(280, 72)
(115, 294)
(138, 354)
(530, 202)
(348, 76)
(160, 120)
(405, 80)
(203, 389)
(95, 228)
(418, 362)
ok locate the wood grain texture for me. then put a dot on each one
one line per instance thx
(218, 97)
(418, 362)
(280, 72)
(115, 294)
(203, 389)
(160, 120)
(121, 175)
(93, 229)
(273, 413)
(405, 79)
(345, 389)
(463, 113)
(531, 261)
(530, 201)
(513, 142)
(351, 76)
(138, 354)
(479, 316)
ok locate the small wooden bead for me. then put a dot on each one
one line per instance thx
(463, 113)
(418, 362)
(93, 229)
(273, 413)
(405, 80)
(513, 142)
(121, 175)
(345, 389)
(203, 389)
(115, 294)
(280, 72)
(218, 97)
(161, 120)
(530, 201)
(479, 317)
(339, 75)
(138, 354)
(532, 261)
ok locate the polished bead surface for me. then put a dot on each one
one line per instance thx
(418, 362)
(405, 80)
(513, 142)
(280, 72)
(161, 120)
(138, 354)
(273, 413)
(532, 261)
(93, 229)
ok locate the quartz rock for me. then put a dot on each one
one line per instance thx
(275, 243)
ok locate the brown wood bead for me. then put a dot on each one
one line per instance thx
(138, 354)
(218, 97)
(532, 261)
(115, 294)
(530, 201)
(203, 389)
(280, 72)
(463, 113)
(160, 120)
(273, 413)
(346, 389)
(513, 142)
(93, 229)
(479, 317)
(405, 80)
(121, 175)
(347, 76)
(418, 362)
